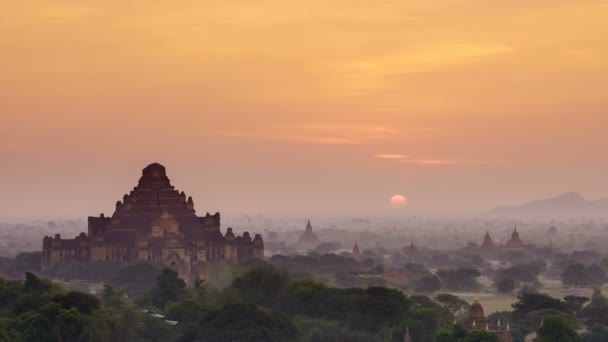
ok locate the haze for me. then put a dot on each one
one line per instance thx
(302, 108)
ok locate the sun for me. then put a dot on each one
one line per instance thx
(398, 201)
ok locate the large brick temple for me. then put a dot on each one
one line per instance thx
(158, 223)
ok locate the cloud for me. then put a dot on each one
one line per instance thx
(375, 72)
(389, 156)
(316, 133)
(439, 162)
(321, 140)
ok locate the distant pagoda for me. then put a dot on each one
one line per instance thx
(356, 252)
(411, 252)
(514, 242)
(308, 238)
(487, 242)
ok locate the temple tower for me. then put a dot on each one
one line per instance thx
(487, 242)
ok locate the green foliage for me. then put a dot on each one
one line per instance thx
(365, 309)
(533, 301)
(244, 323)
(316, 264)
(50, 323)
(319, 330)
(575, 302)
(417, 270)
(522, 273)
(97, 271)
(596, 313)
(598, 333)
(557, 329)
(9, 291)
(33, 284)
(24, 262)
(83, 302)
(187, 312)
(261, 285)
(384, 334)
(576, 275)
(169, 288)
(450, 307)
(127, 324)
(136, 279)
(462, 279)
(481, 336)
(506, 285)
(231, 296)
(113, 298)
(199, 289)
(456, 333)
(597, 274)
(427, 284)
(532, 306)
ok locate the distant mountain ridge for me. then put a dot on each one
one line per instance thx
(567, 203)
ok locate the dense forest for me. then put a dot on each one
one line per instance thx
(262, 302)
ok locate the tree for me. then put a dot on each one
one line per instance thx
(261, 285)
(112, 298)
(576, 302)
(50, 323)
(481, 336)
(169, 288)
(186, 312)
(576, 275)
(462, 279)
(598, 333)
(199, 289)
(456, 333)
(597, 274)
(427, 284)
(532, 301)
(245, 322)
(33, 284)
(136, 279)
(506, 285)
(557, 329)
(522, 273)
(24, 262)
(596, 313)
(83, 302)
(450, 307)
(384, 333)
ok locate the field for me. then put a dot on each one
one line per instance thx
(492, 302)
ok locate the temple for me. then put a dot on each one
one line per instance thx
(476, 321)
(513, 243)
(158, 223)
(411, 252)
(308, 238)
(487, 242)
(356, 253)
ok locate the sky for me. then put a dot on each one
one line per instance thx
(308, 108)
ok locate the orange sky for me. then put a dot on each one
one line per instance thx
(310, 107)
